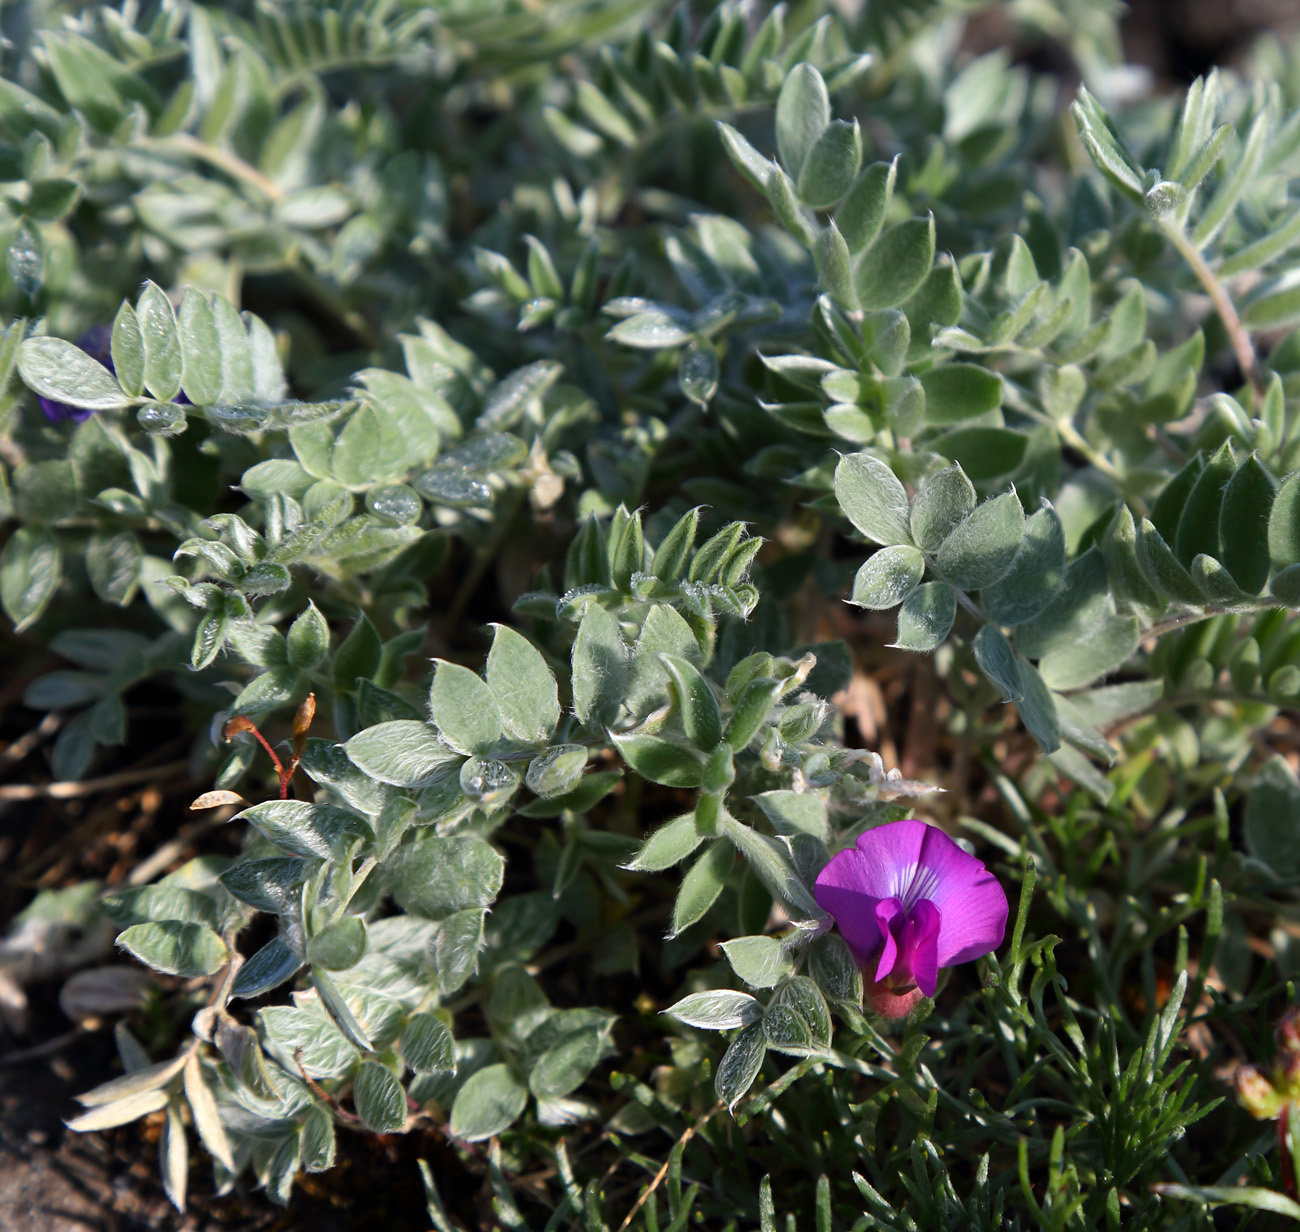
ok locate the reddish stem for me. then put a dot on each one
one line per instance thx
(301, 725)
(342, 1113)
(242, 724)
(1284, 1147)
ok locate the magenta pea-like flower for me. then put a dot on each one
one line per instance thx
(909, 902)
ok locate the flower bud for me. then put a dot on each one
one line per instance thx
(751, 710)
(1255, 1093)
(800, 723)
(488, 781)
(556, 771)
(880, 998)
(746, 670)
(1287, 1032)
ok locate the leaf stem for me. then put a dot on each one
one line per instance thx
(1160, 628)
(968, 603)
(1079, 443)
(1238, 335)
(958, 593)
(348, 1118)
(224, 160)
(483, 559)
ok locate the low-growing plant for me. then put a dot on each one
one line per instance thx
(688, 362)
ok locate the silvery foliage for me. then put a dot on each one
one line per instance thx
(987, 382)
(382, 885)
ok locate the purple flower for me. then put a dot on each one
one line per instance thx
(98, 344)
(909, 902)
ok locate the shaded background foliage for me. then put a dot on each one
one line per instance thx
(504, 287)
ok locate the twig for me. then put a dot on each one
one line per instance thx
(967, 602)
(12, 792)
(25, 744)
(43, 1049)
(690, 1132)
(12, 452)
(1166, 444)
(919, 750)
(145, 872)
(333, 303)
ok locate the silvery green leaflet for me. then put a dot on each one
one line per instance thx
(616, 416)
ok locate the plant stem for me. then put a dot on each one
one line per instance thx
(223, 160)
(1076, 441)
(1160, 628)
(1071, 436)
(333, 302)
(240, 723)
(483, 559)
(967, 602)
(1237, 332)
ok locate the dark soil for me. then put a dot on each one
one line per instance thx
(55, 1181)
